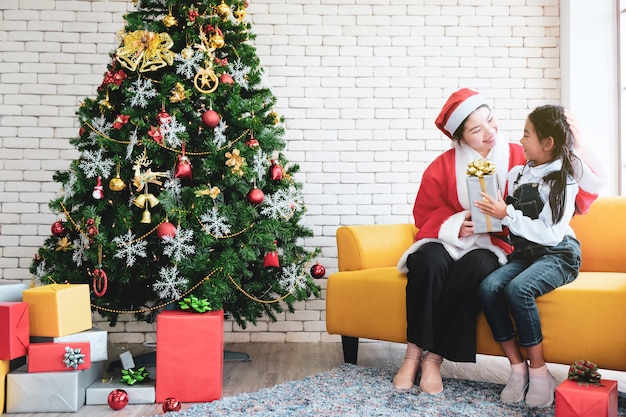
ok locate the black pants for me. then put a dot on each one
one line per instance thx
(442, 300)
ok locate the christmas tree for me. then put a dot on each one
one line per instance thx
(181, 191)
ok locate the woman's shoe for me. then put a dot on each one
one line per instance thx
(405, 378)
(430, 381)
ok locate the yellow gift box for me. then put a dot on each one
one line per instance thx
(57, 310)
(4, 370)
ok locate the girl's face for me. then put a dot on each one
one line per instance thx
(535, 149)
(481, 131)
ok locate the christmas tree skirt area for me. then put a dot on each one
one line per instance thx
(145, 355)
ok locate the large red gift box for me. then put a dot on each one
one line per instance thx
(586, 400)
(14, 330)
(49, 357)
(189, 355)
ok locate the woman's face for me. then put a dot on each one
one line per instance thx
(480, 131)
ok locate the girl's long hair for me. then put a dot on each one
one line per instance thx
(549, 121)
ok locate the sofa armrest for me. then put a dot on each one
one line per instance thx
(372, 246)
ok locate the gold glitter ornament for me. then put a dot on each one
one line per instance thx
(187, 53)
(145, 50)
(216, 41)
(240, 14)
(170, 20)
(117, 184)
(223, 10)
(178, 93)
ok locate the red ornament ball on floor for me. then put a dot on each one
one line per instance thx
(171, 404)
(118, 398)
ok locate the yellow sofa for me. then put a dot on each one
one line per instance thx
(585, 319)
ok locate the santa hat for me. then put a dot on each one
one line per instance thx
(460, 105)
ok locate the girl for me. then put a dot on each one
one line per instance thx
(546, 254)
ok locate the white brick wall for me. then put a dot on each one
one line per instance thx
(358, 81)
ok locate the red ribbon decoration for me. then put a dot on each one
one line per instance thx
(100, 282)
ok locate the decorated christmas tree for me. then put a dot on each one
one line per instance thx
(182, 189)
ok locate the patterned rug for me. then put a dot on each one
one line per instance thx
(354, 391)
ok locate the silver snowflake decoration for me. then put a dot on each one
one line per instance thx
(292, 278)
(219, 138)
(171, 131)
(133, 139)
(282, 204)
(240, 72)
(40, 273)
(177, 246)
(93, 164)
(188, 66)
(260, 165)
(68, 188)
(173, 186)
(141, 91)
(101, 128)
(215, 224)
(129, 248)
(169, 286)
(80, 246)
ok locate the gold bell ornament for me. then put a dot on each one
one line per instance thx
(144, 201)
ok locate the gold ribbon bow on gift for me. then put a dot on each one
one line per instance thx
(480, 168)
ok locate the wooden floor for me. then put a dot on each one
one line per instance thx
(270, 364)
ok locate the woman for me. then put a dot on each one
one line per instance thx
(448, 260)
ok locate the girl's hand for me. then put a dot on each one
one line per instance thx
(579, 143)
(467, 228)
(493, 207)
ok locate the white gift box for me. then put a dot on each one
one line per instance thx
(95, 336)
(483, 223)
(47, 392)
(11, 292)
(140, 393)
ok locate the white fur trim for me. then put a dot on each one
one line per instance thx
(462, 111)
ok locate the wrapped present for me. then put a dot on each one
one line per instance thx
(50, 357)
(585, 394)
(11, 292)
(14, 330)
(482, 179)
(47, 392)
(99, 349)
(58, 309)
(142, 393)
(4, 370)
(189, 356)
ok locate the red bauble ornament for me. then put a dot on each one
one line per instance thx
(171, 404)
(164, 118)
(166, 229)
(210, 118)
(226, 79)
(256, 196)
(98, 190)
(252, 142)
(118, 398)
(318, 271)
(58, 229)
(276, 171)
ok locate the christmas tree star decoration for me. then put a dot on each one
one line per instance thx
(130, 248)
(181, 133)
(170, 283)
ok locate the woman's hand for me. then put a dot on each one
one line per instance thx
(578, 142)
(495, 207)
(467, 228)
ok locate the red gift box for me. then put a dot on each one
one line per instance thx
(14, 330)
(189, 355)
(575, 399)
(49, 357)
